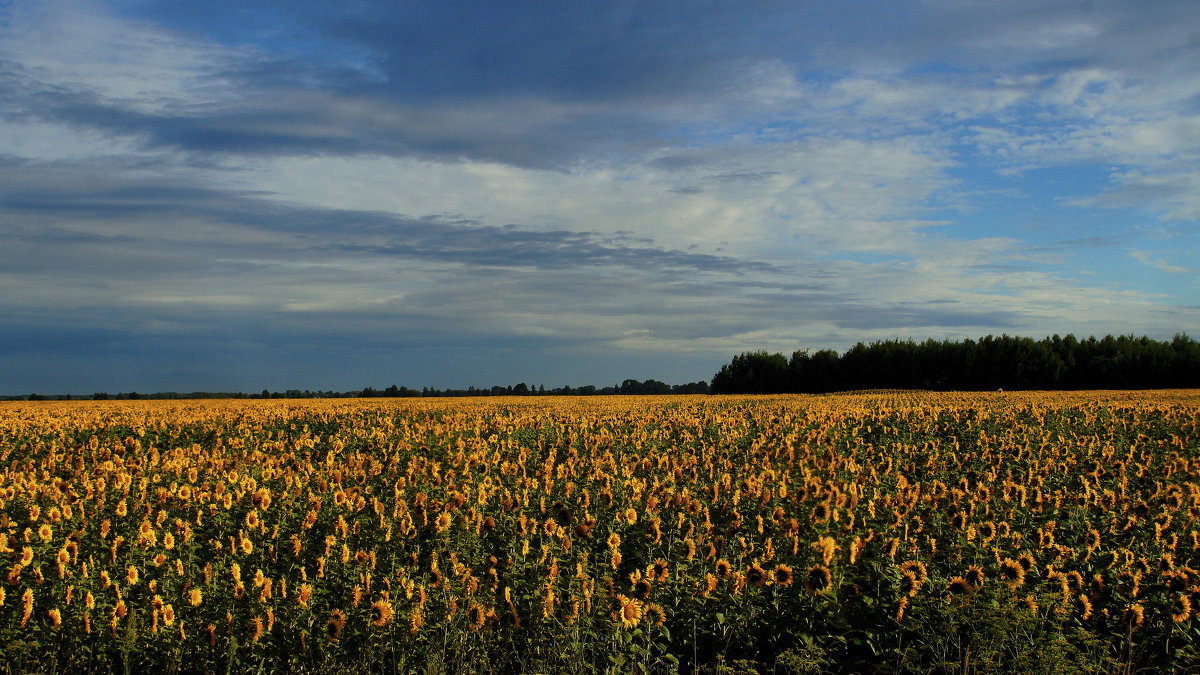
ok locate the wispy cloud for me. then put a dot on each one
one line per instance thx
(555, 192)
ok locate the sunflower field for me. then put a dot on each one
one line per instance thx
(878, 531)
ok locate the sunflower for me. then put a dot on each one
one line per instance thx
(901, 606)
(959, 521)
(783, 575)
(819, 513)
(26, 606)
(45, 532)
(656, 614)
(917, 568)
(724, 569)
(304, 595)
(1012, 573)
(476, 616)
(1026, 561)
(1028, 603)
(416, 621)
(1135, 614)
(756, 575)
(630, 515)
(987, 531)
(958, 586)
(1183, 608)
(1075, 581)
(26, 556)
(631, 611)
(614, 541)
(195, 597)
(336, 624)
(642, 588)
(381, 613)
(909, 584)
(818, 579)
(131, 575)
(658, 570)
(168, 613)
(1085, 607)
(974, 576)
(55, 617)
(443, 522)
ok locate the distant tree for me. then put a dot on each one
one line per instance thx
(753, 373)
(989, 363)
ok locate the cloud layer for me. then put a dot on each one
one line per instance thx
(299, 195)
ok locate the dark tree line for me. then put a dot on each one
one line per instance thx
(1003, 362)
(627, 387)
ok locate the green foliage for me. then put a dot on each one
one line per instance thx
(986, 364)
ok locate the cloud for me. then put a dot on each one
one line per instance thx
(1161, 264)
(573, 186)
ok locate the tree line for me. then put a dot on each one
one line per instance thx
(627, 387)
(989, 363)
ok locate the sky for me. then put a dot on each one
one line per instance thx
(232, 196)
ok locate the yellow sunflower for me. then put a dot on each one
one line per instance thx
(631, 611)
(381, 613)
(335, 624)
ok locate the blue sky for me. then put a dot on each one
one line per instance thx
(238, 196)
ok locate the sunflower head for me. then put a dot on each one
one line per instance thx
(958, 586)
(724, 569)
(1074, 581)
(909, 584)
(1085, 607)
(756, 575)
(443, 522)
(818, 579)
(656, 614)
(974, 576)
(1181, 608)
(783, 575)
(476, 615)
(335, 624)
(629, 612)
(1012, 572)
(1135, 615)
(381, 613)
(659, 570)
(917, 568)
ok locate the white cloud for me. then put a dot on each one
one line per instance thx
(75, 45)
(1160, 264)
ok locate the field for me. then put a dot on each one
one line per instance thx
(873, 532)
